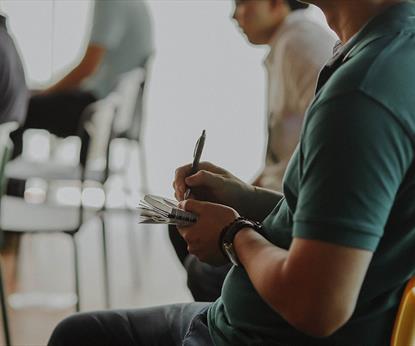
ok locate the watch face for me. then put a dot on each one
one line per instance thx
(228, 234)
(228, 247)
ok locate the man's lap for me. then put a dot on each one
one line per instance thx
(178, 324)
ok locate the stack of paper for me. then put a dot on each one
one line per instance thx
(156, 209)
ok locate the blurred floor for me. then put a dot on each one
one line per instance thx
(46, 267)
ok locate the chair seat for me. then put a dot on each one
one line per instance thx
(404, 329)
(24, 169)
(17, 215)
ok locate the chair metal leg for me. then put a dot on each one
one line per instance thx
(134, 256)
(76, 269)
(143, 168)
(105, 262)
(4, 315)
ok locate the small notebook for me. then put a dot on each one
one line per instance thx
(156, 210)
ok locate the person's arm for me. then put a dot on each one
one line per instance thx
(314, 285)
(272, 176)
(348, 186)
(260, 204)
(346, 191)
(215, 184)
(83, 70)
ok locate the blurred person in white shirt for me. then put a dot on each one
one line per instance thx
(299, 48)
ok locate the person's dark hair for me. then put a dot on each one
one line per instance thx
(296, 5)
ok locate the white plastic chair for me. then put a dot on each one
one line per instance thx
(128, 123)
(20, 216)
(129, 96)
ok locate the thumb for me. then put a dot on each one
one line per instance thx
(202, 179)
(193, 206)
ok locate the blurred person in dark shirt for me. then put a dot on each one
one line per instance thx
(13, 107)
(13, 91)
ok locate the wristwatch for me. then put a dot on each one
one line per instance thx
(228, 234)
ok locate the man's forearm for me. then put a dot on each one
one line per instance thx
(71, 81)
(258, 203)
(265, 264)
(85, 68)
(301, 283)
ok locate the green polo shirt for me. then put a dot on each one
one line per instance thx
(350, 182)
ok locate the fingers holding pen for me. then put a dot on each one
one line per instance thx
(179, 184)
(207, 175)
(204, 178)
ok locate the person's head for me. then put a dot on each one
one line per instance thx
(260, 18)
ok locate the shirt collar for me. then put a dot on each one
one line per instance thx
(343, 50)
(2, 20)
(395, 19)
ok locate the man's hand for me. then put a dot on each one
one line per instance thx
(214, 184)
(211, 183)
(202, 238)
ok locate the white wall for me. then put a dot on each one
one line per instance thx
(50, 35)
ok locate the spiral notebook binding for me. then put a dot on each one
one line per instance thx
(182, 215)
(157, 209)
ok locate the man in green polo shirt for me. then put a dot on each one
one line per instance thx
(345, 229)
(330, 264)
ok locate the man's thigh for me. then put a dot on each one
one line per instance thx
(165, 325)
(59, 113)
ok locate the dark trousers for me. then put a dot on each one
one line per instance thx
(203, 280)
(60, 113)
(178, 324)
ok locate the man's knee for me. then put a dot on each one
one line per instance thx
(79, 329)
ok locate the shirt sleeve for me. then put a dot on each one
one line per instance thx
(355, 155)
(107, 24)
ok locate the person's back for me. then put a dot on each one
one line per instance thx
(125, 30)
(13, 91)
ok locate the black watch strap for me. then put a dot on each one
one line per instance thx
(228, 234)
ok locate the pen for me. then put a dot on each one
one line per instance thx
(196, 158)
